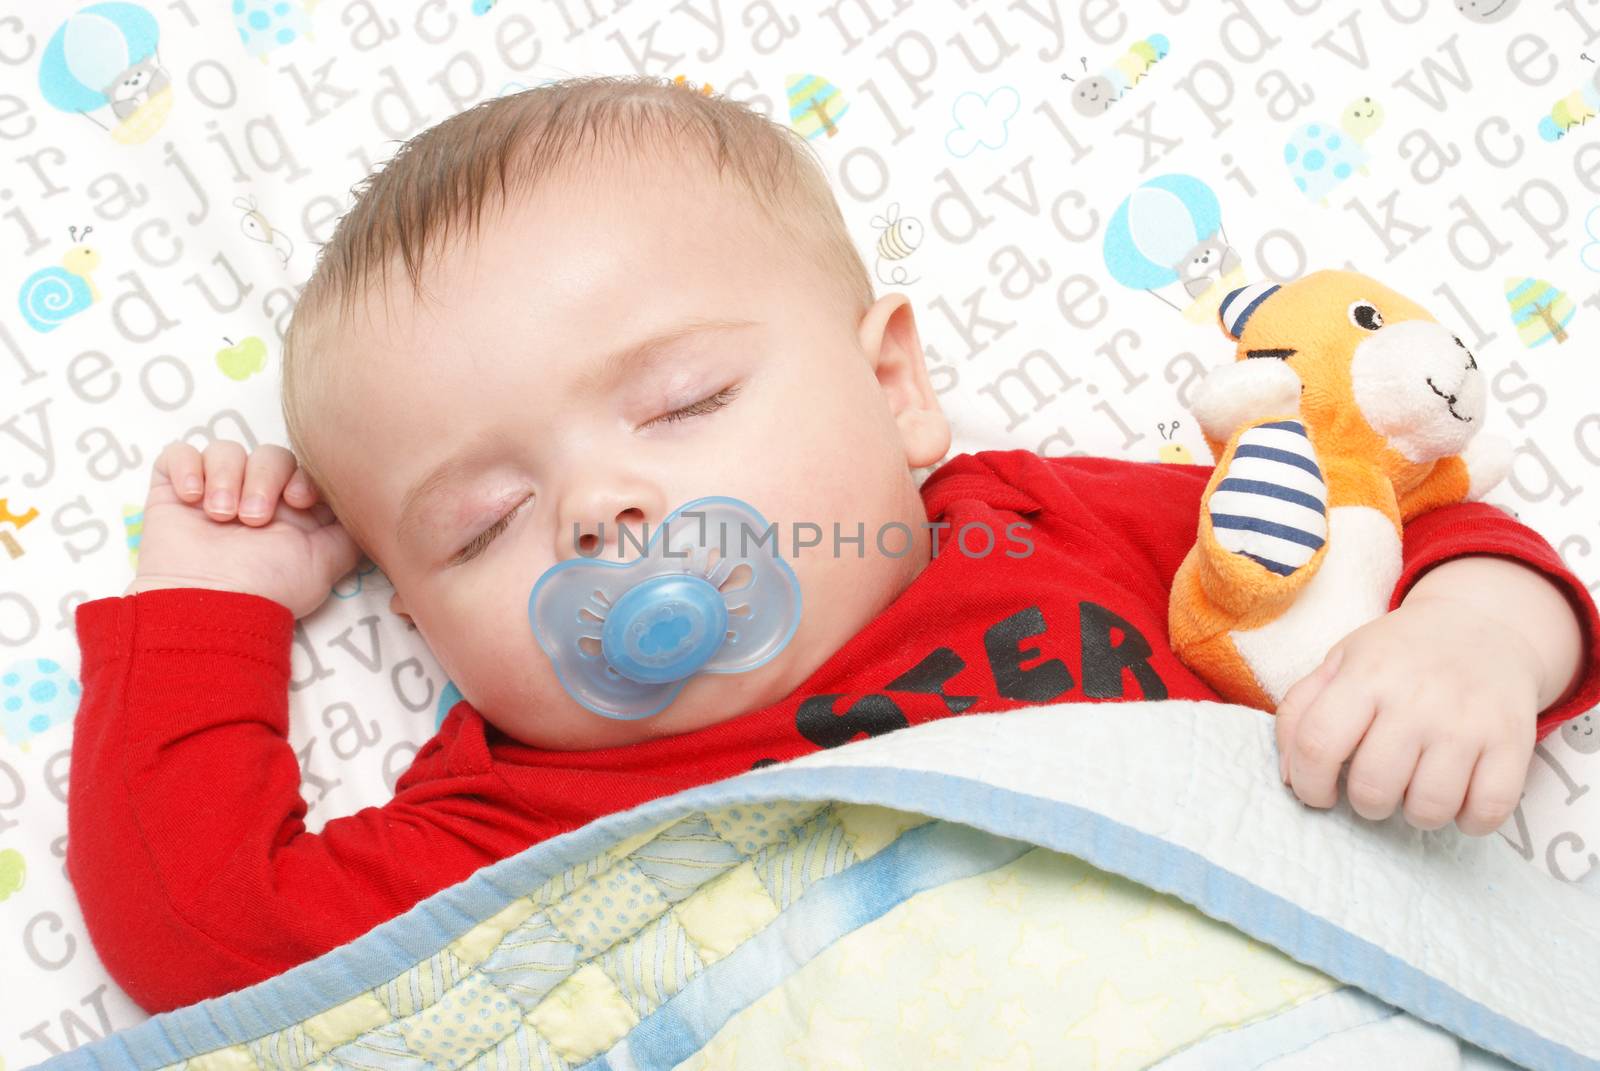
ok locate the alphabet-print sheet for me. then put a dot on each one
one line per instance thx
(1066, 188)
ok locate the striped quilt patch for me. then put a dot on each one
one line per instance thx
(1272, 503)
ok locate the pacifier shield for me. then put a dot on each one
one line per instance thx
(623, 637)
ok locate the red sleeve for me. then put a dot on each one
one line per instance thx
(185, 840)
(1480, 528)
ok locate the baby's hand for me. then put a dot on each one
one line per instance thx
(290, 552)
(1439, 707)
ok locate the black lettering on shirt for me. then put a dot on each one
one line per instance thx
(870, 714)
(931, 675)
(1103, 663)
(1002, 642)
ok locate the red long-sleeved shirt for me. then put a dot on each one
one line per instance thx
(186, 844)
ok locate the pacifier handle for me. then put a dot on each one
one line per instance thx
(665, 628)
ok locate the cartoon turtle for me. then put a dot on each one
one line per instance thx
(1322, 155)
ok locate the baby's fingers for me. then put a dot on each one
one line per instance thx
(1440, 784)
(300, 492)
(1383, 766)
(269, 468)
(1325, 735)
(1496, 789)
(224, 462)
(179, 464)
(1295, 701)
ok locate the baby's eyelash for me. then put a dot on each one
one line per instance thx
(481, 543)
(709, 404)
(705, 405)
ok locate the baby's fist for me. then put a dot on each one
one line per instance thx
(1433, 708)
(216, 521)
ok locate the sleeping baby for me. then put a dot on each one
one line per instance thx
(547, 324)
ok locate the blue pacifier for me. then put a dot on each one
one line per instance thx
(709, 595)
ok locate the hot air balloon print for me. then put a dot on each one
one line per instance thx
(104, 57)
(266, 25)
(1168, 232)
(1540, 311)
(815, 105)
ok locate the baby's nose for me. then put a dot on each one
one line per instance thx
(622, 536)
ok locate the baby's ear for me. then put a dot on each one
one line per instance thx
(1243, 392)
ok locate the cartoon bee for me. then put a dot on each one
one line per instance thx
(1577, 107)
(900, 238)
(1173, 452)
(258, 229)
(1096, 94)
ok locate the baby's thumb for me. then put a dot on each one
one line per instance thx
(334, 551)
(1297, 699)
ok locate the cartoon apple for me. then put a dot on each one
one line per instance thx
(243, 360)
(12, 871)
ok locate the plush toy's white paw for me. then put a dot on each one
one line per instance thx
(1488, 459)
(1237, 394)
(1272, 504)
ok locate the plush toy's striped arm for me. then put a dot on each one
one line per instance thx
(1272, 503)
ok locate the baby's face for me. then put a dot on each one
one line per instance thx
(804, 411)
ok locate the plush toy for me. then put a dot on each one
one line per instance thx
(1348, 411)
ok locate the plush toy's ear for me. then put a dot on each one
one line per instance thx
(1238, 305)
(1243, 392)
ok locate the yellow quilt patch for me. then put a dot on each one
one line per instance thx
(727, 912)
(349, 1020)
(474, 946)
(584, 1015)
(871, 828)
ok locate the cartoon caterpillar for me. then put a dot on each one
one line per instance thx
(1095, 95)
(50, 295)
(1576, 107)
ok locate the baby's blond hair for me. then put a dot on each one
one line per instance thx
(440, 181)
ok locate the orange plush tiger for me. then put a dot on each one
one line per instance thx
(1348, 411)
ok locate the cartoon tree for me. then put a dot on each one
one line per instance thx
(815, 105)
(1539, 310)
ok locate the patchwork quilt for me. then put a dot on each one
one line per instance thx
(1080, 885)
(168, 179)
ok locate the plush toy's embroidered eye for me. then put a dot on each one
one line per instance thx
(1365, 316)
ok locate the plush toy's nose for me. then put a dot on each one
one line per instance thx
(1419, 387)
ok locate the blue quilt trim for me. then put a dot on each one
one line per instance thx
(395, 946)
